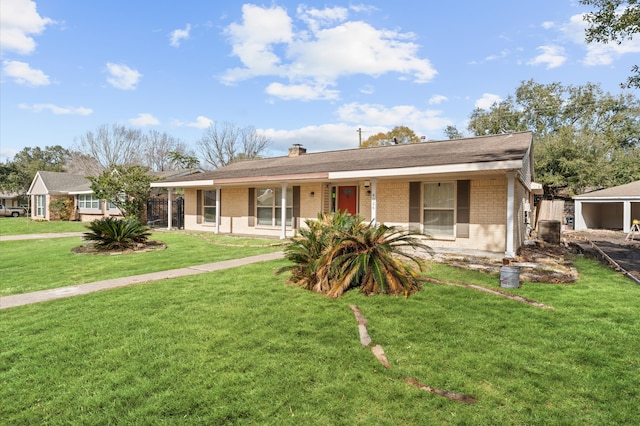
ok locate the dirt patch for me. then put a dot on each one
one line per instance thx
(148, 246)
(625, 253)
(538, 262)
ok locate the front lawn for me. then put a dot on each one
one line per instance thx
(240, 347)
(30, 265)
(24, 225)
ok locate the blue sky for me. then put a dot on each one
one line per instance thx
(310, 73)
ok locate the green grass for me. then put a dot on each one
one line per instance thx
(240, 347)
(41, 264)
(24, 225)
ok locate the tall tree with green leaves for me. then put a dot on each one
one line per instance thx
(583, 137)
(127, 187)
(397, 135)
(614, 21)
(17, 175)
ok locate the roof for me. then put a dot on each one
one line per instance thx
(60, 182)
(506, 151)
(629, 190)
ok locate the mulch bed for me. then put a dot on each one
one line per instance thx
(148, 246)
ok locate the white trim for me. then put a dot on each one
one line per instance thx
(185, 184)
(510, 252)
(374, 207)
(217, 210)
(409, 171)
(283, 212)
(169, 212)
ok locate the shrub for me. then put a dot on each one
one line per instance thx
(337, 252)
(116, 234)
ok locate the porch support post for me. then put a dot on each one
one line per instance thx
(283, 212)
(578, 220)
(626, 216)
(510, 251)
(374, 207)
(217, 210)
(169, 218)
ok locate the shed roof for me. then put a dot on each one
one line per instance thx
(484, 149)
(626, 191)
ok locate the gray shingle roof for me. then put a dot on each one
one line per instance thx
(505, 147)
(59, 182)
(622, 191)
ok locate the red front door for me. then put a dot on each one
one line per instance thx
(348, 199)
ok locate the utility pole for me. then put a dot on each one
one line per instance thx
(359, 136)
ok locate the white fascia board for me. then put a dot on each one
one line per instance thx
(86, 191)
(426, 170)
(586, 199)
(185, 184)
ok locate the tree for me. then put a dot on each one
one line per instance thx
(397, 135)
(158, 147)
(223, 144)
(583, 137)
(617, 21)
(17, 175)
(452, 132)
(127, 187)
(110, 146)
(182, 161)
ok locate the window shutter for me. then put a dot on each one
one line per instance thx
(463, 198)
(415, 209)
(296, 207)
(252, 207)
(199, 206)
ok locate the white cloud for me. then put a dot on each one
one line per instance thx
(420, 121)
(597, 53)
(552, 56)
(325, 137)
(548, 25)
(57, 110)
(122, 77)
(269, 44)
(487, 100)
(437, 99)
(302, 92)
(144, 119)
(201, 122)
(19, 19)
(22, 73)
(177, 36)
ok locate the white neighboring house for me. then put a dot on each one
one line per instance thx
(50, 186)
(611, 208)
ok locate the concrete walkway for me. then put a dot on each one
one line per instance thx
(76, 290)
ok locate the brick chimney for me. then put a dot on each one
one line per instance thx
(297, 150)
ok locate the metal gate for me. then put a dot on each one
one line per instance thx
(158, 217)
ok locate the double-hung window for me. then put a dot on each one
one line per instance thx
(209, 206)
(88, 201)
(439, 208)
(41, 201)
(269, 206)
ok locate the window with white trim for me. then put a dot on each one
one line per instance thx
(88, 201)
(209, 206)
(269, 206)
(439, 208)
(41, 201)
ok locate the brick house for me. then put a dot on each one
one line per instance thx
(472, 193)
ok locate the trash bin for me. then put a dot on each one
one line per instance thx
(510, 277)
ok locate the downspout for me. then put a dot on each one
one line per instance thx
(374, 207)
(169, 218)
(217, 210)
(283, 212)
(510, 252)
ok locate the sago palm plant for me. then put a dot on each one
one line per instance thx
(116, 234)
(338, 252)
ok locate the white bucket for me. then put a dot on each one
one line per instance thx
(509, 277)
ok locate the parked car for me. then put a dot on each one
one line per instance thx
(12, 211)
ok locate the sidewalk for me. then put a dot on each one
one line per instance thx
(76, 290)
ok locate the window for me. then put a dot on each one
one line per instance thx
(209, 206)
(269, 210)
(438, 208)
(88, 201)
(41, 205)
